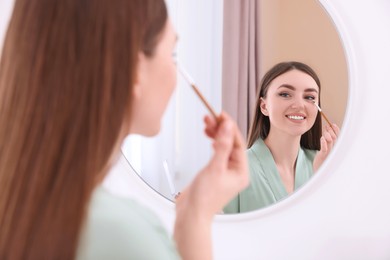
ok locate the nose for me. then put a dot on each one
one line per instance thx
(298, 103)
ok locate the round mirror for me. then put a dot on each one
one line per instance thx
(227, 47)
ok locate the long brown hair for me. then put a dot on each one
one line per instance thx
(261, 125)
(66, 77)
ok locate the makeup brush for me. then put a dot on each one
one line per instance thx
(191, 82)
(323, 115)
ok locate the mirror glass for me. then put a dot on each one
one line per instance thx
(234, 43)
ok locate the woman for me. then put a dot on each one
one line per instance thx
(76, 77)
(284, 137)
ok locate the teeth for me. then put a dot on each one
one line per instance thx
(296, 117)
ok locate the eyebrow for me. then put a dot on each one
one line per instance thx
(293, 88)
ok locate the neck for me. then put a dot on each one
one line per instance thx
(284, 148)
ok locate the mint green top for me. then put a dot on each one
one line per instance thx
(266, 186)
(119, 228)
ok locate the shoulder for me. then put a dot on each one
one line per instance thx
(257, 150)
(309, 154)
(259, 156)
(120, 228)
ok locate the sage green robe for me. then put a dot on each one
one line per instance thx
(266, 186)
(120, 228)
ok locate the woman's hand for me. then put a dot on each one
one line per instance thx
(328, 140)
(225, 175)
(221, 179)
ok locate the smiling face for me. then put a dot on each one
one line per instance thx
(289, 103)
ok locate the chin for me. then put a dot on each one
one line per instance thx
(152, 131)
(297, 132)
(147, 131)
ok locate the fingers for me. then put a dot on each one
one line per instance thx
(333, 129)
(211, 126)
(226, 173)
(223, 141)
(324, 146)
(329, 138)
(336, 129)
(331, 133)
(233, 155)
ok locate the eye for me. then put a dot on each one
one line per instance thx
(311, 98)
(284, 94)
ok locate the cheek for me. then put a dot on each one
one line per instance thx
(164, 81)
(170, 75)
(168, 83)
(277, 109)
(173, 77)
(313, 115)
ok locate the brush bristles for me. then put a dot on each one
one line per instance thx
(318, 107)
(186, 76)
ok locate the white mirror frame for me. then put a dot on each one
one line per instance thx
(343, 212)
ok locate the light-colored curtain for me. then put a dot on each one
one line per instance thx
(241, 60)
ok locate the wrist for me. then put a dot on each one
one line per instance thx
(189, 213)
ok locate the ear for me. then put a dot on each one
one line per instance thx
(140, 76)
(263, 107)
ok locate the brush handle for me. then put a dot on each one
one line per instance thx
(188, 78)
(204, 101)
(327, 120)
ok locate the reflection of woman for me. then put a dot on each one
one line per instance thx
(75, 78)
(284, 136)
